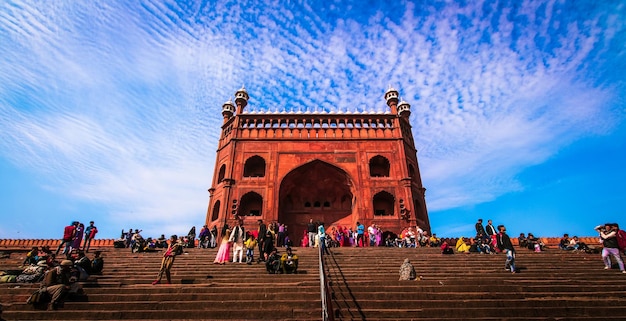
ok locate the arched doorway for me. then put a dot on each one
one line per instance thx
(318, 191)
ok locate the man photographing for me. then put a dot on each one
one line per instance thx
(608, 235)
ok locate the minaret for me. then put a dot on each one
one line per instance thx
(391, 96)
(404, 109)
(241, 99)
(227, 110)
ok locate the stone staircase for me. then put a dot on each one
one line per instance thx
(552, 285)
(200, 290)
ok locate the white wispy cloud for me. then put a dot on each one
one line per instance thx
(120, 103)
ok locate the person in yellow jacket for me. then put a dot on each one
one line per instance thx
(250, 244)
(289, 262)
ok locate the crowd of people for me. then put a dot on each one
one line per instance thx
(59, 275)
(133, 240)
(373, 235)
(485, 241)
(568, 243)
(489, 239)
(266, 238)
(60, 279)
(76, 237)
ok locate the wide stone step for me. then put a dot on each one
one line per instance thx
(435, 288)
(357, 316)
(290, 288)
(376, 294)
(382, 303)
(278, 295)
(190, 303)
(230, 311)
(467, 312)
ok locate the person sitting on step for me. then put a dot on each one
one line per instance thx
(120, 243)
(434, 241)
(407, 271)
(59, 282)
(272, 263)
(446, 249)
(203, 237)
(32, 256)
(522, 241)
(462, 246)
(535, 243)
(482, 244)
(410, 238)
(84, 263)
(423, 239)
(574, 244)
(97, 264)
(564, 242)
(288, 241)
(289, 262)
(161, 242)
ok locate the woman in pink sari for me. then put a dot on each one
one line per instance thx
(305, 239)
(223, 254)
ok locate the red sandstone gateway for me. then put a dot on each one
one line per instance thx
(336, 168)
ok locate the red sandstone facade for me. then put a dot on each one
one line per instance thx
(336, 168)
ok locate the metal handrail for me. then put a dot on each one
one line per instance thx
(324, 289)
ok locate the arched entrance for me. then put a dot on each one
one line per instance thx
(318, 191)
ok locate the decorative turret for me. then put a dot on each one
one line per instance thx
(227, 110)
(404, 109)
(391, 96)
(241, 99)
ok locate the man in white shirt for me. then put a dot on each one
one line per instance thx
(237, 236)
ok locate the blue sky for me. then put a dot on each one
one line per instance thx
(110, 111)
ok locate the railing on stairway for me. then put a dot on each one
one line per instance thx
(327, 310)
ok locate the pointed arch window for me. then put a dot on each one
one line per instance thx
(379, 166)
(383, 204)
(221, 173)
(251, 204)
(254, 167)
(216, 211)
